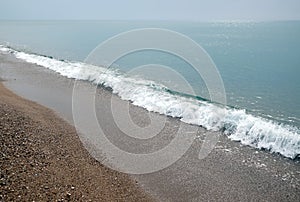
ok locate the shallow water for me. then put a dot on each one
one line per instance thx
(257, 61)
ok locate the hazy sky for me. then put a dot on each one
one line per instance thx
(196, 10)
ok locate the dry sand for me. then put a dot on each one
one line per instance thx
(42, 159)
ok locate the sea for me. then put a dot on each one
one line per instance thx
(257, 61)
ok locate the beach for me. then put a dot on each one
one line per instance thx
(43, 158)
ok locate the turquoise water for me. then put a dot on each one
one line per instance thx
(259, 62)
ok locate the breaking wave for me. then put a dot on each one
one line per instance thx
(237, 124)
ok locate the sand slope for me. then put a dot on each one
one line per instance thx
(42, 159)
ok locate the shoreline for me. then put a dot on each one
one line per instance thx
(239, 124)
(43, 159)
(231, 172)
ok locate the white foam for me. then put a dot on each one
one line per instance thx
(4, 49)
(262, 133)
(237, 124)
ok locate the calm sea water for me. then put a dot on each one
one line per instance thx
(259, 62)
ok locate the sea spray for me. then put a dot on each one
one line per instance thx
(237, 124)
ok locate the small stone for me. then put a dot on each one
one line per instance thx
(68, 195)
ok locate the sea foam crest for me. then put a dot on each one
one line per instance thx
(236, 123)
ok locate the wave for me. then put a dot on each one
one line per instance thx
(237, 124)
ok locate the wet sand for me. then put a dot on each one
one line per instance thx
(231, 172)
(42, 159)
